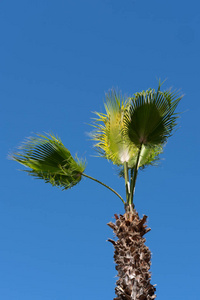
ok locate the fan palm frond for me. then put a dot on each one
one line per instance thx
(111, 143)
(151, 117)
(48, 159)
(109, 131)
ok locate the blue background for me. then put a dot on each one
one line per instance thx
(57, 60)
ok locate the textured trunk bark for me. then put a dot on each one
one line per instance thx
(132, 257)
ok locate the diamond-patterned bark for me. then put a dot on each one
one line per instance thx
(132, 258)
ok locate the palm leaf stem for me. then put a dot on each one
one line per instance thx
(134, 175)
(108, 187)
(132, 187)
(127, 184)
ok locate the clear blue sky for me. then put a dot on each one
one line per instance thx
(57, 60)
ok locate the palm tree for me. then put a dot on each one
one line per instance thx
(131, 134)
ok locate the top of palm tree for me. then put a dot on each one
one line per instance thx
(146, 119)
(48, 159)
(131, 133)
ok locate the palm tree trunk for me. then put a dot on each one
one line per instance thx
(132, 257)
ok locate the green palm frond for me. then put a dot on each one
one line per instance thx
(151, 117)
(48, 159)
(111, 143)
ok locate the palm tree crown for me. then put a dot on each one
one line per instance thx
(133, 131)
(131, 134)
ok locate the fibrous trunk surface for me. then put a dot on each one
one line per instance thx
(132, 258)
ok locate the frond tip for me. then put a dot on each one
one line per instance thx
(48, 159)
